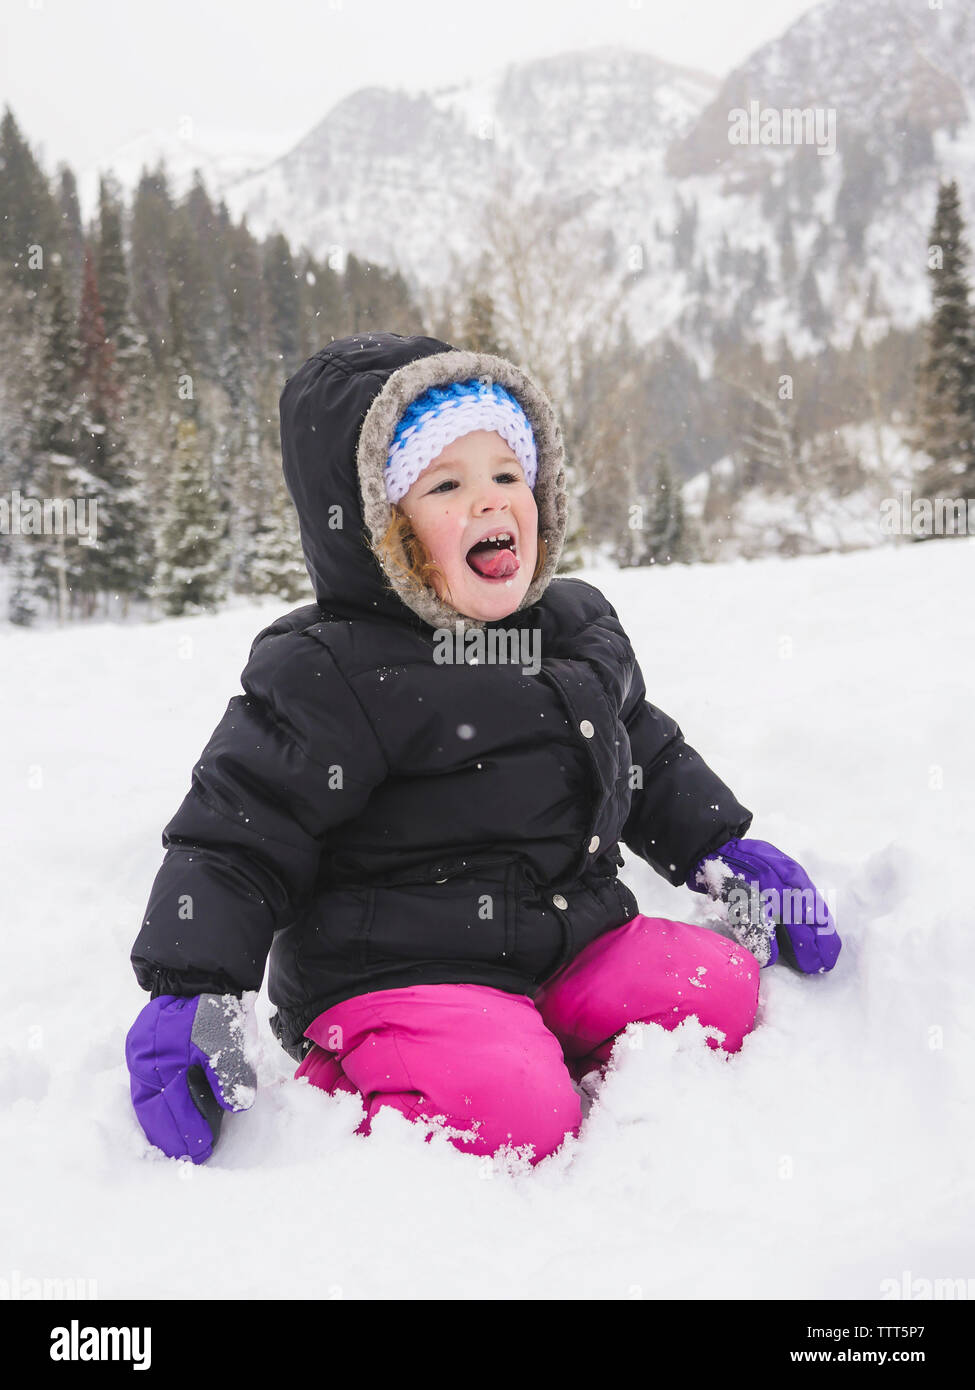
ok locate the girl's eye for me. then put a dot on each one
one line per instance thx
(447, 482)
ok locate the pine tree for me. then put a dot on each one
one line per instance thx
(15, 346)
(55, 443)
(322, 310)
(666, 539)
(141, 414)
(38, 435)
(192, 573)
(151, 228)
(197, 250)
(373, 297)
(72, 237)
(25, 595)
(24, 598)
(284, 298)
(478, 330)
(279, 566)
(119, 563)
(113, 279)
(945, 413)
(242, 477)
(29, 215)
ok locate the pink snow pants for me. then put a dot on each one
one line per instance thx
(502, 1065)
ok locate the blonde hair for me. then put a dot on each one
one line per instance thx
(403, 553)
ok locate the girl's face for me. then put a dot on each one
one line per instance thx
(473, 489)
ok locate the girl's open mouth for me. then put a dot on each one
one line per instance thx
(494, 558)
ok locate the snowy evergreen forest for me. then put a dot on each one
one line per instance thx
(143, 355)
(142, 361)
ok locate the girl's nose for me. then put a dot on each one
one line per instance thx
(492, 499)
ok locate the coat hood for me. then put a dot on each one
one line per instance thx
(339, 413)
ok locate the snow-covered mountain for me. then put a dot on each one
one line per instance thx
(401, 178)
(222, 157)
(897, 83)
(705, 234)
(703, 237)
(894, 65)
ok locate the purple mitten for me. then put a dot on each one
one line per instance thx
(187, 1065)
(786, 900)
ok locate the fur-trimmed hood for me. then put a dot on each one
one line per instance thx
(339, 413)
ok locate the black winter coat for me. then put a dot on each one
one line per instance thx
(369, 818)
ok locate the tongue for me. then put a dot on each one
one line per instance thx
(493, 563)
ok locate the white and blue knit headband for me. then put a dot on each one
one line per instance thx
(444, 413)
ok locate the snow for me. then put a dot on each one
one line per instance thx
(762, 521)
(834, 695)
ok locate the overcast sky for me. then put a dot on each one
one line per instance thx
(85, 76)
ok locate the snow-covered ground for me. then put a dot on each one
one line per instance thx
(766, 523)
(834, 694)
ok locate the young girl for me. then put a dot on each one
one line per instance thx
(425, 850)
